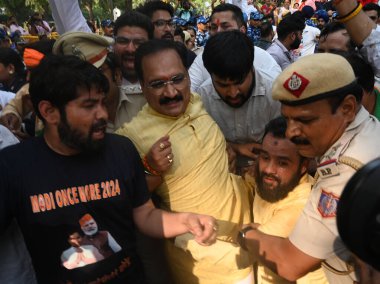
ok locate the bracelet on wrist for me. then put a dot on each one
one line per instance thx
(241, 237)
(148, 169)
(351, 14)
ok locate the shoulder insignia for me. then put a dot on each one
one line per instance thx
(327, 205)
(328, 169)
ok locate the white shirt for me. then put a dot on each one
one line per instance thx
(244, 124)
(248, 9)
(68, 16)
(263, 60)
(371, 50)
(309, 40)
(5, 97)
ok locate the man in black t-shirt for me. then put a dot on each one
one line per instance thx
(49, 183)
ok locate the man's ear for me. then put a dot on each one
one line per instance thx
(243, 29)
(49, 112)
(11, 69)
(349, 107)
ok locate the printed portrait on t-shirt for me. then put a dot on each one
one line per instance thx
(88, 244)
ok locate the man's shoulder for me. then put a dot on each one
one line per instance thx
(265, 62)
(26, 146)
(115, 140)
(365, 145)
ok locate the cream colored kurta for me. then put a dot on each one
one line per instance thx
(278, 219)
(199, 182)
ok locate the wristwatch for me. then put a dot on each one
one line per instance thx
(241, 237)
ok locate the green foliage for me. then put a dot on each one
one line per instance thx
(23, 9)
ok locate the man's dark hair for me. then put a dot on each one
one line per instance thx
(9, 56)
(154, 46)
(265, 29)
(179, 31)
(229, 55)
(58, 77)
(372, 7)
(288, 25)
(43, 46)
(134, 19)
(237, 14)
(335, 27)
(276, 127)
(149, 7)
(332, 28)
(363, 72)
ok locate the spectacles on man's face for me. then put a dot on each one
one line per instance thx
(162, 23)
(124, 41)
(178, 81)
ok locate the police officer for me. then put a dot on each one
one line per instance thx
(253, 31)
(321, 101)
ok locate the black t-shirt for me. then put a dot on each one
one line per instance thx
(53, 196)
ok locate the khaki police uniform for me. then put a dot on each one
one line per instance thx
(316, 233)
(313, 78)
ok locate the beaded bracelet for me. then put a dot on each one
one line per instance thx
(148, 168)
(352, 14)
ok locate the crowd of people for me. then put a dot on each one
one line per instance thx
(172, 146)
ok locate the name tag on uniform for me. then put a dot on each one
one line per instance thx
(328, 169)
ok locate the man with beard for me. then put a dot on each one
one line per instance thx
(289, 32)
(237, 96)
(282, 189)
(326, 121)
(74, 169)
(161, 15)
(184, 154)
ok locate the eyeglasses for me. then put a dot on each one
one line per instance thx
(178, 82)
(162, 23)
(126, 41)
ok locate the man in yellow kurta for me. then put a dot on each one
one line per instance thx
(184, 154)
(282, 189)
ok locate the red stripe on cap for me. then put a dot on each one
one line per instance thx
(98, 56)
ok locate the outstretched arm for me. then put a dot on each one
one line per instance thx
(160, 223)
(280, 255)
(360, 26)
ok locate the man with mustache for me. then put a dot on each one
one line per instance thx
(238, 96)
(321, 101)
(75, 169)
(289, 33)
(184, 154)
(282, 189)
